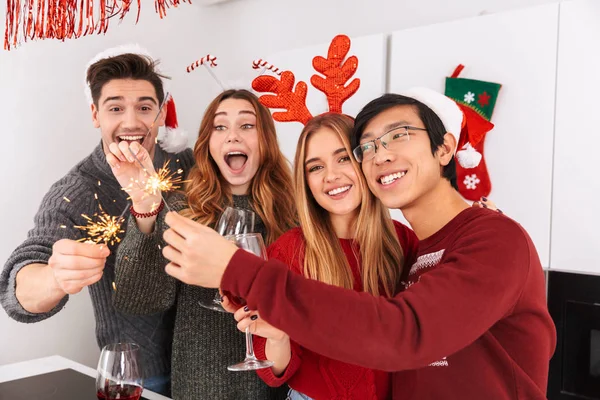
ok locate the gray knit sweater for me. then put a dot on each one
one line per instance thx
(92, 175)
(205, 342)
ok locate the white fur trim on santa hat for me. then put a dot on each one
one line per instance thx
(173, 140)
(444, 107)
(133, 48)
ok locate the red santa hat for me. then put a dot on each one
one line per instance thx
(173, 140)
(454, 119)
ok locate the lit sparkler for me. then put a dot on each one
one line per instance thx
(163, 181)
(102, 227)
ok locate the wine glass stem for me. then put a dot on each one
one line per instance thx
(249, 346)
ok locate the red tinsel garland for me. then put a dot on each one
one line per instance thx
(67, 19)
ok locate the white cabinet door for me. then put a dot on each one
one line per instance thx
(518, 50)
(575, 211)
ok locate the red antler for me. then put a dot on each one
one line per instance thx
(285, 97)
(337, 73)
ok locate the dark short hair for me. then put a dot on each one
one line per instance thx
(433, 124)
(124, 66)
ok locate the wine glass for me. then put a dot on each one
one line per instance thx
(119, 373)
(233, 221)
(253, 243)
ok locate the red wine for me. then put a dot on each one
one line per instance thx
(120, 392)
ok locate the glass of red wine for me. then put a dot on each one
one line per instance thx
(233, 221)
(119, 373)
(253, 243)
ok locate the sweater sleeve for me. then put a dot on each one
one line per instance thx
(266, 374)
(285, 249)
(59, 211)
(142, 285)
(478, 281)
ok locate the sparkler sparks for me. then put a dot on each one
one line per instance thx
(102, 227)
(163, 181)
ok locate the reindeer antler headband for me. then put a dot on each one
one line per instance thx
(337, 71)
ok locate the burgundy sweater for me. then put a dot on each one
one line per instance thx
(473, 323)
(315, 375)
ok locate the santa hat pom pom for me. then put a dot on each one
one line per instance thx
(468, 157)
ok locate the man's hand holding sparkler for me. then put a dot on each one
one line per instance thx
(72, 266)
(133, 174)
(76, 265)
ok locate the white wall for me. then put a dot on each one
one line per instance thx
(46, 124)
(247, 29)
(575, 219)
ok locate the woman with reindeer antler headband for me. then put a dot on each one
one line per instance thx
(238, 164)
(346, 236)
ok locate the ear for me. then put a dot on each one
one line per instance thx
(446, 150)
(95, 116)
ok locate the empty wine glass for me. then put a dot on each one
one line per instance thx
(253, 243)
(234, 221)
(119, 373)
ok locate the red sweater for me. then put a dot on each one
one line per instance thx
(317, 376)
(472, 325)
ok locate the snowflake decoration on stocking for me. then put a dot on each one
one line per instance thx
(469, 97)
(471, 181)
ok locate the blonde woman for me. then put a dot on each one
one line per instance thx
(346, 238)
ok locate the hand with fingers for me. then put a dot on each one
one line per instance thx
(277, 346)
(198, 254)
(247, 318)
(228, 305)
(76, 265)
(484, 202)
(132, 173)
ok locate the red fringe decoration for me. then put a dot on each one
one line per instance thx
(68, 19)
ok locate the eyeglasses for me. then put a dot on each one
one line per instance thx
(366, 151)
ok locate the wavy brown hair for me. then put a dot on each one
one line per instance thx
(380, 251)
(208, 193)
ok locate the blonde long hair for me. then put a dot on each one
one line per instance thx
(208, 193)
(380, 252)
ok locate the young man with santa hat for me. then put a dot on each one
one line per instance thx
(126, 94)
